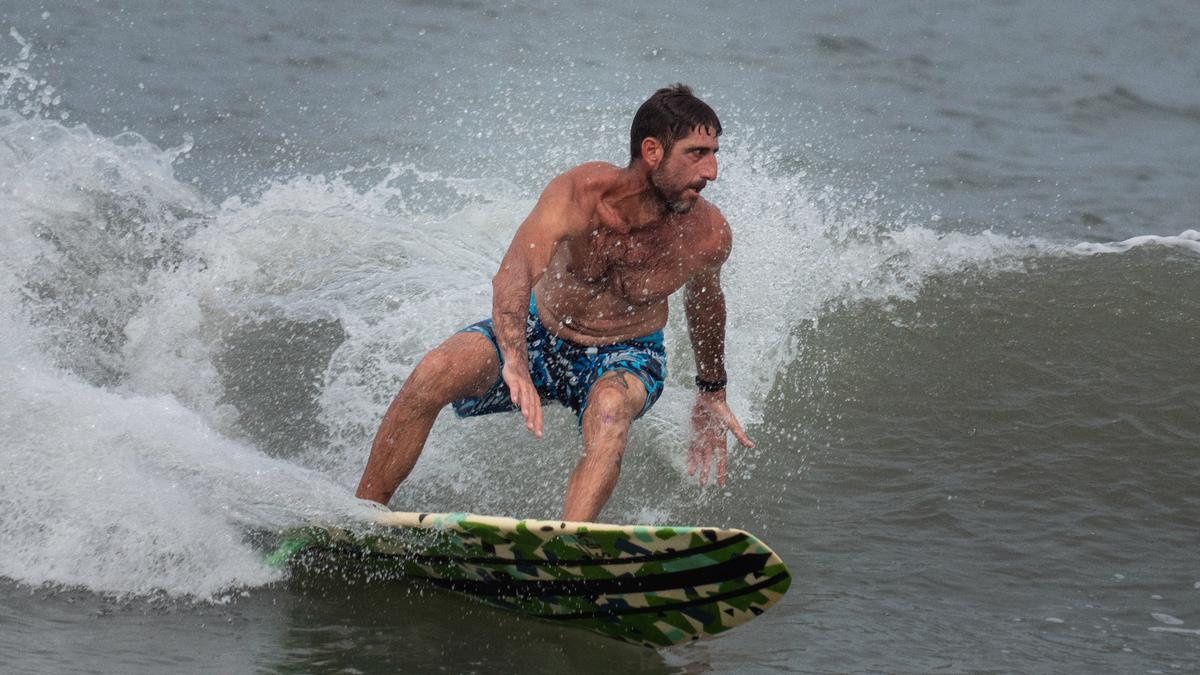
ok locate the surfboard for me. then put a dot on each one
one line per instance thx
(650, 585)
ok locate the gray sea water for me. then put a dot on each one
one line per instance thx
(964, 309)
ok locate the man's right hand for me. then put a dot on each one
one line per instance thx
(524, 395)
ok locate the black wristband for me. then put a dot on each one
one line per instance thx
(711, 386)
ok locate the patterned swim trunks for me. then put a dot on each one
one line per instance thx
(564, 371)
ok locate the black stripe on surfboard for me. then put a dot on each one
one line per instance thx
(350, 550)
(672, 607)
(735, 568)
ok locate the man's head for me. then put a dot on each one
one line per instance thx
(675, 134)
(669, 115)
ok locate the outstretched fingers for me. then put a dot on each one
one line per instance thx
(735, 428)
(706, 451)
(722, 462)
(700, 449)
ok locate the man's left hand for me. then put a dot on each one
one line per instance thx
(711, 419)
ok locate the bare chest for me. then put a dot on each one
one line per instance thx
(640, 267)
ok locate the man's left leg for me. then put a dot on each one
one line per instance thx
(613, 403)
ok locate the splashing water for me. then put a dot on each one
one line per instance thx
(23, 92)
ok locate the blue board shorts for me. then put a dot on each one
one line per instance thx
(565, 371)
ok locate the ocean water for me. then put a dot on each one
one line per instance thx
(964, 318)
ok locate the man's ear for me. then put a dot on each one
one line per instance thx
(652, 151)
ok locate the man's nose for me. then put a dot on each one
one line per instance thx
(708, 169)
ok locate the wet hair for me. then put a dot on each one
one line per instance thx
(670, 114)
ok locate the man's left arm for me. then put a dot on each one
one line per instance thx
(704, 306)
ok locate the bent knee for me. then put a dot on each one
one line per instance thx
(439, 378)
(616, 399)
(438, 361)
(430, 370)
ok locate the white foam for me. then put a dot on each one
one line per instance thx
(128, 493)
(1189, 240)
(115, 477)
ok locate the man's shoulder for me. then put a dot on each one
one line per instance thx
(571, 197)
(712, 236)
(709, 214)
(710, 220)
(590, 176)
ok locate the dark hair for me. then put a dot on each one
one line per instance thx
(669, 115)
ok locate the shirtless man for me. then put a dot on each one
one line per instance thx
(578, 308)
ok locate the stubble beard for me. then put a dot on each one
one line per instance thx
(676, 205)
(679, 207)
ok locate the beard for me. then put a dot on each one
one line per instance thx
(680, 207)
(670, 198)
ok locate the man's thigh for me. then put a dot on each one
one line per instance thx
(466, 363)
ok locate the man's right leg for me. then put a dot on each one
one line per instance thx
(463, 366)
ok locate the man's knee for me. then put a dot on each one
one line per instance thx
(446, 374)
(432, 368)
(423, 389)
(616, 399)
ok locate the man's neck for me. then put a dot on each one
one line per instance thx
(635, 197)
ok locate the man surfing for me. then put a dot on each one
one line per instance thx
(578, 308)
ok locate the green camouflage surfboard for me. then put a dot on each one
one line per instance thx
(651, 585)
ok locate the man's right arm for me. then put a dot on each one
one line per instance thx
(557, 216)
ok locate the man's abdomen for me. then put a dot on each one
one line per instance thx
(595, 317)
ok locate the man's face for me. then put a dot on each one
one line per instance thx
(683, 173)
